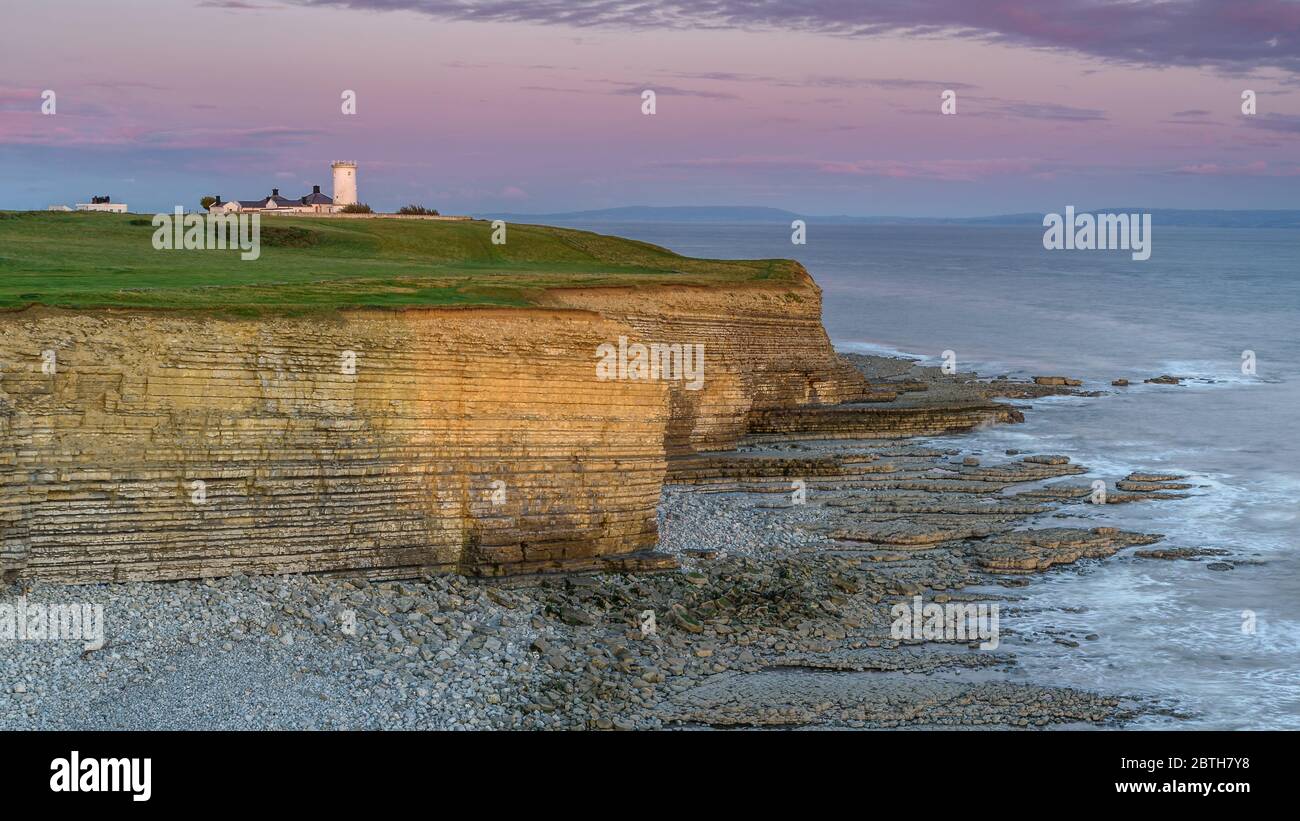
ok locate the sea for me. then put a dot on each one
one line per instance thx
(1209, 648)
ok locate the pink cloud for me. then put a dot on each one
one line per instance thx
(950, 170)
(1259, 168)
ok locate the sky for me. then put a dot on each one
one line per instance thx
(815, 106)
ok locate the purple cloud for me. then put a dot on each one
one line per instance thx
(1236, 35)
(948, 170)
(1259, 168)
(666, 91)
(999, 107)
(234, 5)
(1285, 123)
(825, 81)
(1047, 111)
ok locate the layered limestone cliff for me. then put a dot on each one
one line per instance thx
(766, 351)
(163, 446)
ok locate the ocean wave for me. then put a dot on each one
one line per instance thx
(876, 349)
(983, 367)
(1214, 372)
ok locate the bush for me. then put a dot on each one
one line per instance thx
(418, 210)
(357, 208)
(276, 236)
(207, 202)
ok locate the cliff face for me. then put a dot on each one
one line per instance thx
(162, 446)
(766, 351)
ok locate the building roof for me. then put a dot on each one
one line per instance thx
(277, 201)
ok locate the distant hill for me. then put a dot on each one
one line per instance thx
(741, 214)
(649, 213)
(1208, 218)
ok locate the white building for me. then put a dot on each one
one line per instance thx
(345, 193)
(104, 203)
(313, 203)
(345, 182)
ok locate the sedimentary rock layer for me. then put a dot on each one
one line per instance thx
(163, 446)
(766, 352)
(872, 421)
(459, 439)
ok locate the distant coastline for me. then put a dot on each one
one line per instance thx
(1203, 218)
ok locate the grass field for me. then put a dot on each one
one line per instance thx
(90, 260)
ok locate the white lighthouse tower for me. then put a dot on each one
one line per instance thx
(345, 182)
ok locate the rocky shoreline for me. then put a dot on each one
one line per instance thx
(791, 552)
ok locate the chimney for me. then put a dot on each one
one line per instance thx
(315, 189)
(275, 192)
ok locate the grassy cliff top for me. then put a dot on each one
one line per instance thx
(96, 260)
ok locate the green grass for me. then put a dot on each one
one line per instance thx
(91, 260)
